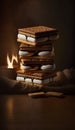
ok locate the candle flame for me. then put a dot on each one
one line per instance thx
(10, 62)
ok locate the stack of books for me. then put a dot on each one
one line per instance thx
(36, 55)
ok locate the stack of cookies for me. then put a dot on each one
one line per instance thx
(36, 55)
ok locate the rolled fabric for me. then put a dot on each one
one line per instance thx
(44, 67)
(21, 53)
(43, 53)
(9, 86)
(28, 80)
(67, 73)
(19, 78)
(70, 75)
(60, 78)
(21, 36)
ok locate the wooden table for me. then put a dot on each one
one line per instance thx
(20, 112)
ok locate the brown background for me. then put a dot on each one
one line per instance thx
(15, 14)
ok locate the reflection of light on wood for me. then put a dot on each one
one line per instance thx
(10, 62)
(9, 106)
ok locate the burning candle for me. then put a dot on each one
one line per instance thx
(10, 62)
(9, 71)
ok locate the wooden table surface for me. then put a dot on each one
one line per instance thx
(21, 112)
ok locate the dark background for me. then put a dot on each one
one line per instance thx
(59, 14)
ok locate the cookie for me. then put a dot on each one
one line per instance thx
(37, 35)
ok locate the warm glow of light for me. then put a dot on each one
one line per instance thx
(20, 65)
(10, 62)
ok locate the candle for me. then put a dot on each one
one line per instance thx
(9, 71)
